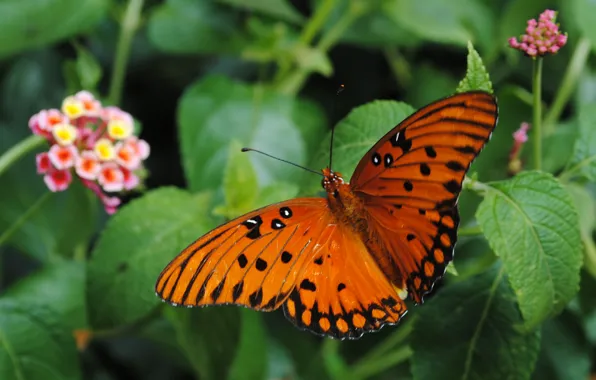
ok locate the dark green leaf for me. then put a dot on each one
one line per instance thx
(251, 356)
(354, 136)
(531, 223)
(476, 75)
(208, 336)
(565, 353)
(584, 156)
(469, 331)
(429, 84)
(558, 146)
(189, 26)
(34, 23)
(37, 318)
(215, 109)
(280, 9)
(88, 69)
(137, 243)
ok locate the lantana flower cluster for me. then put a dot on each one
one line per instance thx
(542, 36)
(95, 143)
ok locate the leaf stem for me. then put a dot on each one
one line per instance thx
(477, 186)
(399, 66)
(470, 231)
(128, 27)
(316, 22)
(574, 70)
(537, 112)
(24, 216)
(17, 151)
(374, 367)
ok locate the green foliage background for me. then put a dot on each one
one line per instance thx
(206, 77)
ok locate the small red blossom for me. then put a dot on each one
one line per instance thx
(542, 36)
(95, 143)
(520, 137)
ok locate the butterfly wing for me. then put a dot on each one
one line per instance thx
(253, 260)
(411, 179)
(342, 292)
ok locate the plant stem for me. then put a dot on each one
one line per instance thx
(374, 367)
(537, 114)
(399, 66)
(19, 150)
(129, 25)
(290, 84)
(570, 78)
(470, 231)
(24, 216)
(477, 186)
(398, 338)
(316, 22)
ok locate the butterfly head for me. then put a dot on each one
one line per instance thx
(332, 182)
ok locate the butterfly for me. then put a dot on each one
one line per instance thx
(343, 265)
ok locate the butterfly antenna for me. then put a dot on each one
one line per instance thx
(281, 159)
(339, 90)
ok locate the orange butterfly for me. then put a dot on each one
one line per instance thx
(343, 265)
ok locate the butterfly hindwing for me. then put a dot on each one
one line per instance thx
(342, 292)
(252, 261)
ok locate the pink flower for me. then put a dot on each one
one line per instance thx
(87, 165)
(95, 143)
(131, 180)
(63, 157)
(128, 156)
(58, 180)
(111, 177)
(43, 163)
(520, 137)
(542, 37)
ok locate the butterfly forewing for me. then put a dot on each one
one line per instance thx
(253, 260)
(411, 179)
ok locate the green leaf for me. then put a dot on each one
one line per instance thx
(239, 183)
(37, 318)
(531, 223)
(279, 9)
(251, 356)
(583, 161)
(477, 77)
(584, 16)
(444, 21)
(558, 146)
(565, 352)
(354, 136)
(429, 84)
(208, 336)
(34, 23)
(189, 26)
(137, 243)
(215, 109)
(59, 224)
(88, 69)
(276, 192)
(469, 332)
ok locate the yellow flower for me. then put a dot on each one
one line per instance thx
(64, 134)
(119, 129)
(104, 150)
(73, 107)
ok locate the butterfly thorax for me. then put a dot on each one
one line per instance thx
(344, 204)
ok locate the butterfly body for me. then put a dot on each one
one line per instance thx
(343, 265)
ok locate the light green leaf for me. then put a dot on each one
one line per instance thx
(279, 9)
(584, 16)
(583, 161)
(532, 225)
(189, 26)
(469, 331)
(477, 77)
(444, 21)
(276, 192)
(137, 243)
(354, 136)
(34, 23)
(215, 110)
(239, 183)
